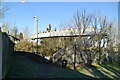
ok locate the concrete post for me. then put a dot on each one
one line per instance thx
(36, 24)
(0, 54)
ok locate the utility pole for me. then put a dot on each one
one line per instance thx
(74, 54)
(36, 24)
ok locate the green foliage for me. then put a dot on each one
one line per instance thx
(24, 45)
(49, 28)
(55, 29)
(85, 49)
(118, 46)
(110, 70)
(20, 36)
(51, 45)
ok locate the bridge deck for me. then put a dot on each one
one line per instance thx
(62, 36)
(72, 32)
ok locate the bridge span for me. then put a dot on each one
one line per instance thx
(68, 32)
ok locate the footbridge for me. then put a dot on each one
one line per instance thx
(68, 32)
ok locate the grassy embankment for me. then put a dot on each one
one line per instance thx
(31, 67)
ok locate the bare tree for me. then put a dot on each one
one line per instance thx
(77, 20)
(11, 30)
(103, 38)
(82, 20)
(26, 32)
(95, 48)
(112, 35)
(3, 10)
(5, 27)
(95, 21)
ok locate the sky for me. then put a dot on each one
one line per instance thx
(54, 13)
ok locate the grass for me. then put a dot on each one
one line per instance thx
(30, 67)
(110, 70)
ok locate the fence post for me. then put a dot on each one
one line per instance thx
(0, 54)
